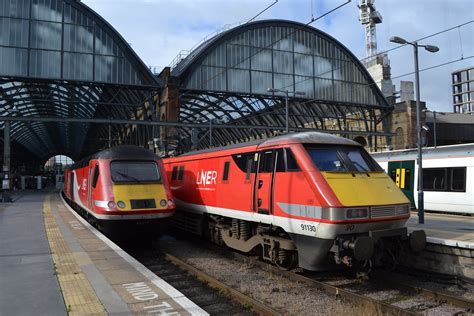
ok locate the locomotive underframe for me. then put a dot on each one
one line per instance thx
(288, 250)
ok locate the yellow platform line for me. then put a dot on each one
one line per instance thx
(79, 296)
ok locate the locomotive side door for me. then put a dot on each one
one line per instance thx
(264, 182)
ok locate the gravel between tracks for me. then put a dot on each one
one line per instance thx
(284, 295)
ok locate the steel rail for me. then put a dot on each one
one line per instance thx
(243, 299)
(438, 296)
(381, 307)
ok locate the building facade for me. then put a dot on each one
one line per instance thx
(463, 90)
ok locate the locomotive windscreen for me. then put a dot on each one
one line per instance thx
(134, 171)
(342, 159)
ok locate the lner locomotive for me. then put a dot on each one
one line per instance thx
(307, 199)
(120, 189)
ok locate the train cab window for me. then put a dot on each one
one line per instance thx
(267, 159)
(174, 173)
(134, 171)
(458, 179)
(285, 161)
(225, 174)
(280, 160)
(331, 158)
(291, 164)
(95, 178)
(180, 172)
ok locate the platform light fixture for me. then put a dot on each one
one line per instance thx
(431, 49)
(286, 92)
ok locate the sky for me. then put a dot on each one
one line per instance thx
(159, 29)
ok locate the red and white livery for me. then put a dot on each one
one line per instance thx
(308, 199)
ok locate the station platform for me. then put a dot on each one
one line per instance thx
(52, 262)
(445, 229)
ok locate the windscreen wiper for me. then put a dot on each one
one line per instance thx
(128, 176)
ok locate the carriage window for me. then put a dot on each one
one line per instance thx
(174, 173)
(134, 171)
(96, 176)
(180, 172)
(435, 179)
(225, 175)
(458, 179)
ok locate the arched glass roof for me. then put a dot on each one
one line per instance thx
(58, 58)
(228, 77)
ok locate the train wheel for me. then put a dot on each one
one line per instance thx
(286, 260)
(363, 269)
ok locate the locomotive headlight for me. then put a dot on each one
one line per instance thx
(111, 204)
(402, 209)
(163, 203)
(352, 213)
(121, 204)
(170, 203)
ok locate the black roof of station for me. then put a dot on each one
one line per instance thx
(70, 63)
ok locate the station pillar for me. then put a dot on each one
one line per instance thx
(6, 182)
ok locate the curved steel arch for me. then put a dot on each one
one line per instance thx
(91, 72)
(242, 54)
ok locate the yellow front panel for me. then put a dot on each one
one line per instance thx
(127, 192)
(358, 190)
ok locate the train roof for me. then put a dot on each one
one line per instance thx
(122, 152)
(460, 150)
(295, 138)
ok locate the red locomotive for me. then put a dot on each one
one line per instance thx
(307, 199)
(120, 187)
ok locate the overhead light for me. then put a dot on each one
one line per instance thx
(398, 40)
(432, 48)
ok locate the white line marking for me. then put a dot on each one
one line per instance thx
(450, 242)
(173, 293)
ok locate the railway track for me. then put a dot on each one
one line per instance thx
(381, 294)
(213, 296)
(393, 298)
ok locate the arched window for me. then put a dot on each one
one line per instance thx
(399, 140)
(361, 140)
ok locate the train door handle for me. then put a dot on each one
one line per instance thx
(259, 202)
(260, 184)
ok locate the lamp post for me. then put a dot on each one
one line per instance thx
(286, 92)
(431, 49)
(434, 127)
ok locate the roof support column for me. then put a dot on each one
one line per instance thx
(6, 161)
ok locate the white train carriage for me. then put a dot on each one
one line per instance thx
(448, 176)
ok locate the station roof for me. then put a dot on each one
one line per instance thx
(60, 59)
(227, 77)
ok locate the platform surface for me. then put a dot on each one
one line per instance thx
(52, 262)
(28, 284)
(451, 230)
